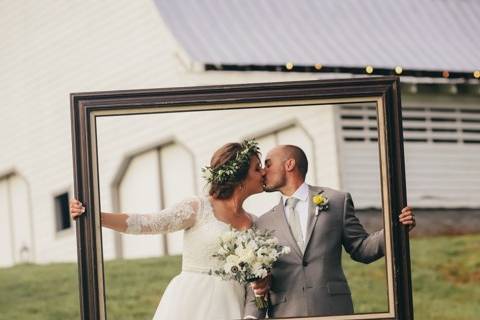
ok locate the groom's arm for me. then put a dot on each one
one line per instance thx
(361, 246)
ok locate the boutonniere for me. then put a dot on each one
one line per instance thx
(321, 202)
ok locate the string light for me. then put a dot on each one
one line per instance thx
(318, 66)
(289, 66)
(476, 74)
(398, 70)
(369, 69)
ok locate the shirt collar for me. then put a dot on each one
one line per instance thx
(301, 193)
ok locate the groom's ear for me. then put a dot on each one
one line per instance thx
(290, 165)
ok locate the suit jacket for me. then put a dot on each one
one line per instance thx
(312, 283)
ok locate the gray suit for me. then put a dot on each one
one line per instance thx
(313, 282)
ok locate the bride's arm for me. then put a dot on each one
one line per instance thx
(115, 221)
(180, 216)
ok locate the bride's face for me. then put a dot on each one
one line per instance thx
(254, 181)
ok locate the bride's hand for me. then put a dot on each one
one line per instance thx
(262, 286)
(76, 208)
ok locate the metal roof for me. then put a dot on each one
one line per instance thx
(413, 34)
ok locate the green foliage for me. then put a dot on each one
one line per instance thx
(229, 171)
(445, 276)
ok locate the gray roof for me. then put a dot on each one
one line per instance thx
(414, 34)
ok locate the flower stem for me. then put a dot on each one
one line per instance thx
(261, 302)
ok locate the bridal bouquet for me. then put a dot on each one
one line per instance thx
(247, 256)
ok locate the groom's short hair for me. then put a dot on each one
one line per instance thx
(300, 158)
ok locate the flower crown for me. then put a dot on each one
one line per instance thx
(229, 170)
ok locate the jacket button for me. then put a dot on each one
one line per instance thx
(304, 263)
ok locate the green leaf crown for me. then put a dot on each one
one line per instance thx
(229, 170)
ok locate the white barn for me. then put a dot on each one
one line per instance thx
(51, 48)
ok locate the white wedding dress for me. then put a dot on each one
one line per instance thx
(193, 294)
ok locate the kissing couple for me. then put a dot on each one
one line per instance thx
(315, 222)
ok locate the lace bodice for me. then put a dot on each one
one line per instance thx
(202, 230)
(200, 242)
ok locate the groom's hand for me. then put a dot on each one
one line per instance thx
(262, 286)
(407, 218)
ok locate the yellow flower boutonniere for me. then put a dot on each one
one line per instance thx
(321, 202)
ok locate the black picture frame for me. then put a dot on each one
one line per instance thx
(85, 107)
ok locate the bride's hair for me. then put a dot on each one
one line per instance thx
(226, 154)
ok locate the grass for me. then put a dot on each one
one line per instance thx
(445, 276)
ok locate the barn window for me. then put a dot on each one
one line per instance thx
(62, 214)
(433, 125)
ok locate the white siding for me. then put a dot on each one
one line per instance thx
(52, 48)
(140, 193)
(22, 237)
(6, 227)
(16, 226)
(178, 178)
(202, 133)
(442, 155)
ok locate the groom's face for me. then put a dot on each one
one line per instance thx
(275, 173)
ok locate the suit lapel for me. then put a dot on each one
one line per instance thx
(284, 228)
(312, 217)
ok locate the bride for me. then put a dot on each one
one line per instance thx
(234, 174)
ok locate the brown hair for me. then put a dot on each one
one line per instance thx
(223, 155)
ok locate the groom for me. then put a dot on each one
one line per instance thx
(310, 281)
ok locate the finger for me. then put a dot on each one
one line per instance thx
(75, 202)
(77, 210)
(406, 213)
(407, 221)
(260, 292)
(257, 286)
(406, 216)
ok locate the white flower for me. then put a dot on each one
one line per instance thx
(285, 250)
(263, 251)
(222, 251)
(273, 241)
(233, 259)
(252, 245)
(245, 254)
(273, 255)
(227, 236)
(259, 271)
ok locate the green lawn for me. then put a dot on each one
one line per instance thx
(446, 283)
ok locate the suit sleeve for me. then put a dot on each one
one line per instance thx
(361, 246)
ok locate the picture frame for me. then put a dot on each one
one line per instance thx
(383, 91)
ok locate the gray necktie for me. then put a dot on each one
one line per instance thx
(294, 221)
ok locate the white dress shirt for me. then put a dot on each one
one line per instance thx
(301, 207)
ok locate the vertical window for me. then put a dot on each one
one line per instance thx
(62, 215)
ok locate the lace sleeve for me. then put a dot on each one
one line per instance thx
(178, 217)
